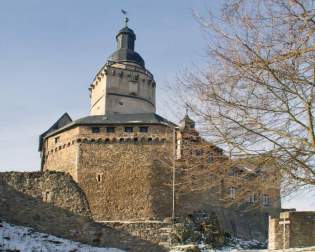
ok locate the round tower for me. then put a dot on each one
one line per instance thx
(123, 85)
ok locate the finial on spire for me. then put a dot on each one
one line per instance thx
(187, 109)
(126, 18)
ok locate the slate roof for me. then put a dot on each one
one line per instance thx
(64, 120)
(114, 119)
(126, 55)
(148, 118)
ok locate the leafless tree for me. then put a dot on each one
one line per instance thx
(255, 98)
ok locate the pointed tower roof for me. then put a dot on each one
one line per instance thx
(187, 123)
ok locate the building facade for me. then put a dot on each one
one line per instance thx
(129, 161)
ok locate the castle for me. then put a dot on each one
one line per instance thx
(130, 162)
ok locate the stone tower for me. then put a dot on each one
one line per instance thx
(123, 85)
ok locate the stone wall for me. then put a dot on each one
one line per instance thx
(126, 181)
(299, 230)
(53, 188)
(51, 202)
(61, 154)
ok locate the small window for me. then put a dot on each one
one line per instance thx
(232, 172)
(47, 196)
(57, 140)
(110, 129)
(96, 130)
(199, 152)
(128, 129)
(232, 193)
(265, 200)
(210, 159)
(143, 129)
(99, 177)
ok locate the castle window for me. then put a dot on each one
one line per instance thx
(96, 130)
(143, 129)
(128, 129)
(211, 178)
(251, 198)
(99, 177)
(265, 200)
(232, 172)
(232, 193)
(110, 129)
(133, 88)
(57, 140)
(47, 196)
(199, 152)
(210, 159)
(179, 149)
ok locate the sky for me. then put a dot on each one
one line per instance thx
(50, 52)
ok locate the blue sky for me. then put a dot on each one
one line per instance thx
(50, 51)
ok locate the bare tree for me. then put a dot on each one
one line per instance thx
(256, 96)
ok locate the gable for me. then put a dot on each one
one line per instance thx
(61, 122)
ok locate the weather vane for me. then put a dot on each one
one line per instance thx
(187, 108)
(126, 18)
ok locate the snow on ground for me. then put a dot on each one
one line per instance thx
(26, 240)
(183, 247)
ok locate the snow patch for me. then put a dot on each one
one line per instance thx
(27, 240)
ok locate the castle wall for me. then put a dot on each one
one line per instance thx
(62, 154)
(127, 180)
